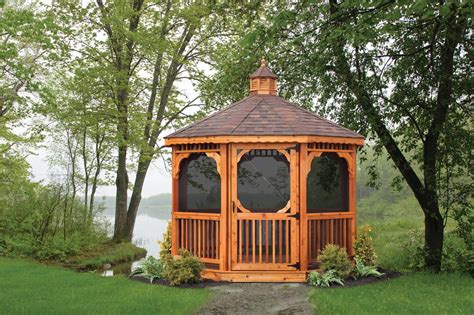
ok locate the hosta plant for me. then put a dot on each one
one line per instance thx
(150, 268)
(362, 271)
(324, 279)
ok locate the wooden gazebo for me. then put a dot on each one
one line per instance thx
(260, 187)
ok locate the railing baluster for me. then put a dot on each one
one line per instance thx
(260, 241)
(241, 230)
(247, 240)
(287, 240)
(267, 224)
(253, 241)
(280, 240)
(273, 241)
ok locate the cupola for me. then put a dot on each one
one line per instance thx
(263, 81)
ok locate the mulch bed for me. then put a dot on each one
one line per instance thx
(206, 283)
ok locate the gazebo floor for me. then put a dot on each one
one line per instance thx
(255, 276)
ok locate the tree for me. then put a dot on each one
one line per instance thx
(142, 51)
(396, 71)
(26, 42)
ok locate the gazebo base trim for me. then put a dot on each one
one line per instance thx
(255, 276)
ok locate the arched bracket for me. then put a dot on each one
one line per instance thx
(309, 160)
(217, 157)
(350, 162)
(175, 165)
(344, 155)
(179, 157)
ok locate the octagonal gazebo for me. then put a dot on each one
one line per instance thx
(260, 187)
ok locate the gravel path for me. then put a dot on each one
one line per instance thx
(259, 298)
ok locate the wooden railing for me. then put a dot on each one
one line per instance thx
(329, 229)
(200, 234)
(263, 239)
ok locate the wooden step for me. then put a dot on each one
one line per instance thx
(255, 276)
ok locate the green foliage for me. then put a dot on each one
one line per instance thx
(93, 256)
(183, 269)
(41, 221)
(362, 271)
(363, 246)
(150, 268)
(165, 244)
(324, 279)
(457, 257)
(334, 258)
(395, 71)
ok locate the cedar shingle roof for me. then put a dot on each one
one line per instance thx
(263, 72)
(263, 115)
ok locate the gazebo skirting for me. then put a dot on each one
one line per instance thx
(242, 238)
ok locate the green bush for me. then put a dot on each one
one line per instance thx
(165, 244)
(183, 269)
(150, 268)
(333, 257)
(457, 257)
(364, 248)
(362, 271)
(324, 279)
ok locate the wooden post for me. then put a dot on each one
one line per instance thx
(224, 208)
(175, 205)
(352, 198)
(302, 206)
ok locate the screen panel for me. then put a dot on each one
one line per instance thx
(263, 183)
(199, 185)
(327, 184)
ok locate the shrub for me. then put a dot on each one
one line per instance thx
(165, 244)
(363, 271)
(324, 279)
(182, 269)
(364, 248)
(457, 257)
(333, 257)
(414, 250)
(150, 268)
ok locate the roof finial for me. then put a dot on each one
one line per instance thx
(263, 62)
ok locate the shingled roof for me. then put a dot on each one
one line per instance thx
(263, 114)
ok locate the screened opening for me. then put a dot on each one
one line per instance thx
(199, 185)
(327, 184)
(263, 183)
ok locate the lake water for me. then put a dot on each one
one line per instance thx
(148, 232)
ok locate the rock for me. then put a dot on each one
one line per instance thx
(106, 266)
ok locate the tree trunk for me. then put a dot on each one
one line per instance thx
(136, 198)
(121, 181)
(121, 201)
(434, 236)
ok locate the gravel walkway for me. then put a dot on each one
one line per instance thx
(259, 298)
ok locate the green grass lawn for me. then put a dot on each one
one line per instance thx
(416, 293)
(27, 287)
(412, 293)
